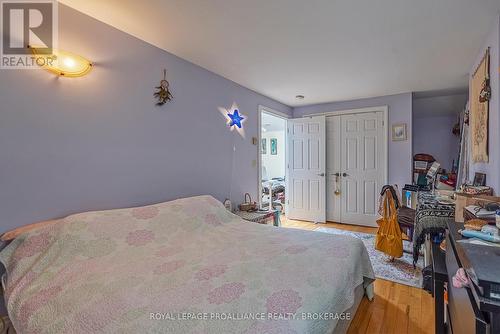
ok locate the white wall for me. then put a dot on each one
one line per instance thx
(275, 164)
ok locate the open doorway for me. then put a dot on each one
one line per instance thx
(272, 182)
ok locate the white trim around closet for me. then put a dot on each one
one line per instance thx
(384, 109)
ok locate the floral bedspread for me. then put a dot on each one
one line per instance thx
(185, 266)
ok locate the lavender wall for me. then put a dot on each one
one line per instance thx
(432, 135)
(433, 120)
(492, 169)
(98, 142)
(400, 111)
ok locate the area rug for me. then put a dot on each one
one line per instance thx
(400, 270)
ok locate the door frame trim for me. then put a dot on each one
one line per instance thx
(384, 110)
(286, 117)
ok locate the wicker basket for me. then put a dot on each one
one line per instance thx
(248, 205)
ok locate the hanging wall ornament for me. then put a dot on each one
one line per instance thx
(162, 92)
(485, 93)
(234, 119)
(479, 111)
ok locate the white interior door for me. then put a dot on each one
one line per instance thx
(306, 169)
(333, 169)
(364, 164)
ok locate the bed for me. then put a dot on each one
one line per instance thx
(185, 266)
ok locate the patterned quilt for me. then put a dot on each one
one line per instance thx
(185, 266)
(431, 218)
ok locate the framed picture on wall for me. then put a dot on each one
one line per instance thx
(264, 146)
(479, 179)
(274, 146)
(399, 132)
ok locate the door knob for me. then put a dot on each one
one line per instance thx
(336, 174)
(322, 174)
(345, 174)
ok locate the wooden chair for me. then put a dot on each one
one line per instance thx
(406, 221)
(406, 216)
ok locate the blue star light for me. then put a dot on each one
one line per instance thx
(236, 118)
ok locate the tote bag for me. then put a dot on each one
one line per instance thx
(389, 239)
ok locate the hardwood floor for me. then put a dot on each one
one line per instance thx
(396, 308)
(303, 225)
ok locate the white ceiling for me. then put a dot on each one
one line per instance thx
(327, 50)
(438, 106)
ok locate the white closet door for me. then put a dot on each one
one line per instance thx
(333, 168)
(363, 163)
(306, 169)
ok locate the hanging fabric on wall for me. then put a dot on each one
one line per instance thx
(463, 158)
(479, 105)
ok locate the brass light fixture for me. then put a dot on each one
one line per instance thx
(63, 63)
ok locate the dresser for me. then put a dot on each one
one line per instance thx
(465, 310)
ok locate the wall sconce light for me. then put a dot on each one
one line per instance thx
(234, 119)
(63, 63)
